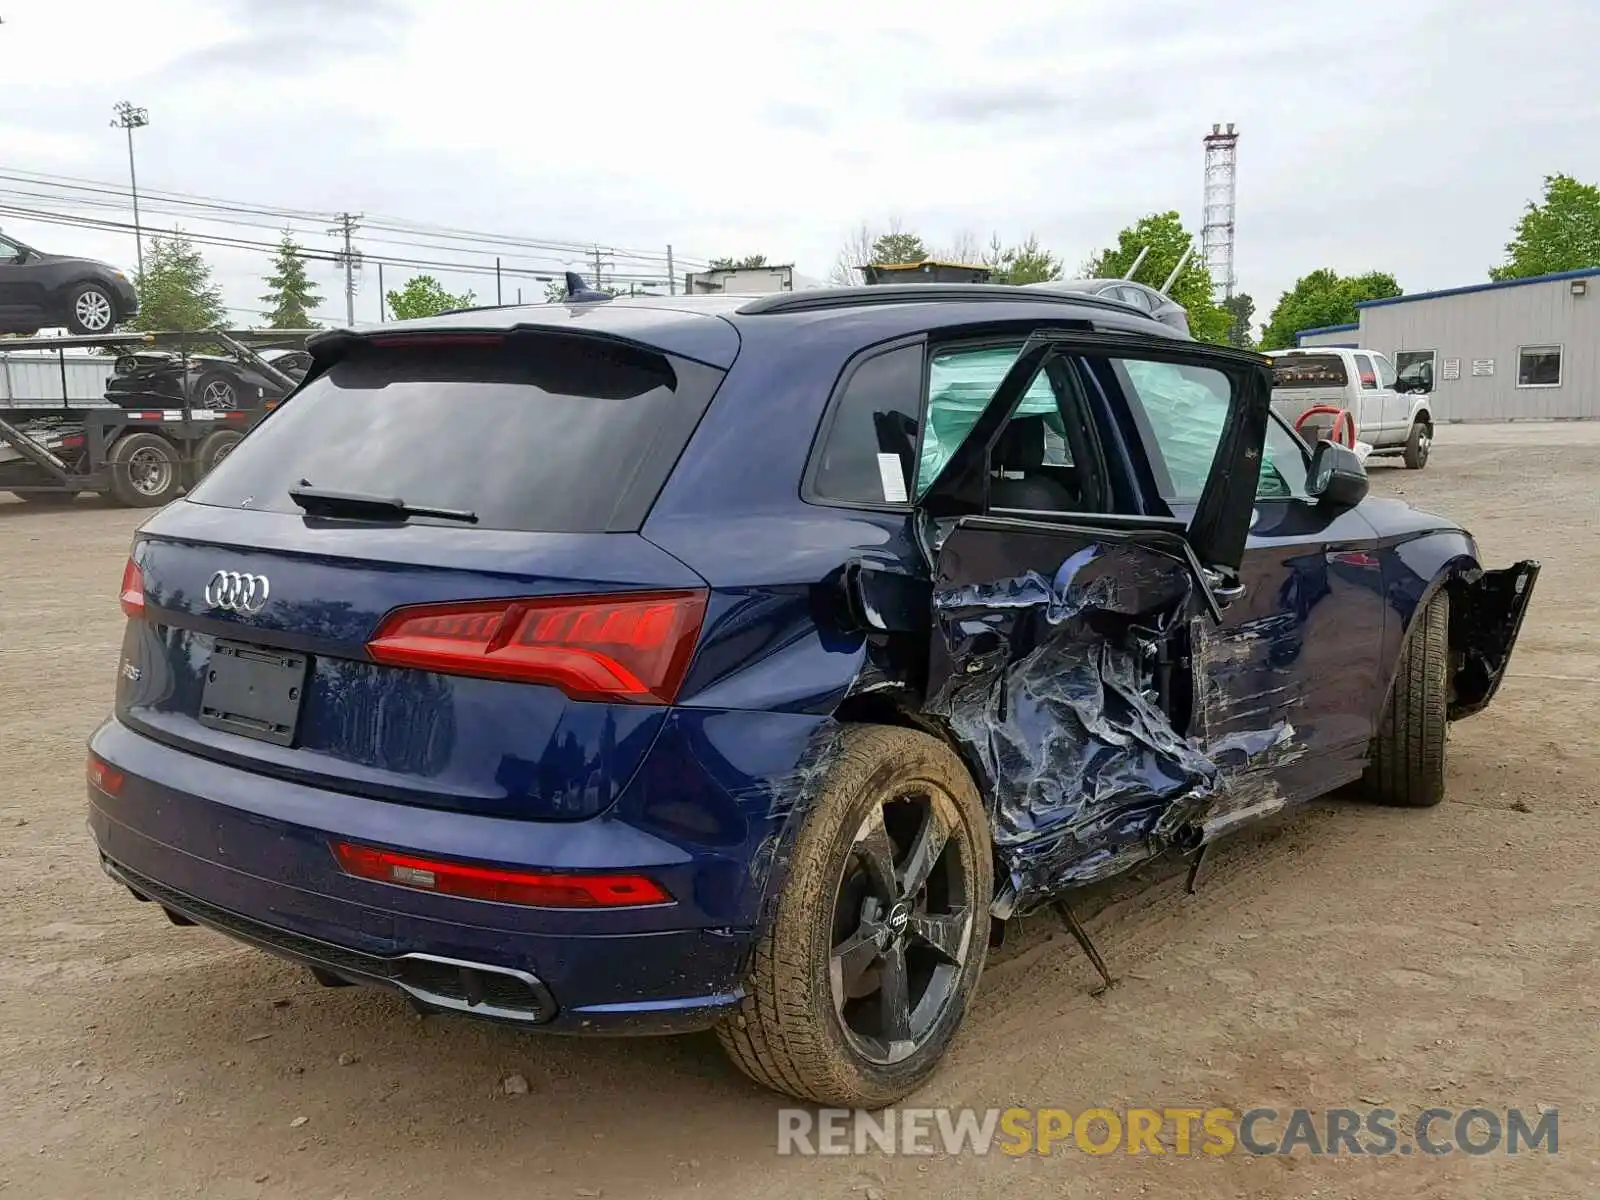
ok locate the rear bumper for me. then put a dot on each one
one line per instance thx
(250, 857)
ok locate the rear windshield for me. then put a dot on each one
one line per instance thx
(1308, 371)
(538, 432)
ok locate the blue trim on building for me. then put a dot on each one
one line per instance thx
(1492, 286)
(1300, 333)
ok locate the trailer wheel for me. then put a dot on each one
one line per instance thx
(146, 470)
(214, 449)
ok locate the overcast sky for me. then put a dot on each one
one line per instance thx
(1402, 134)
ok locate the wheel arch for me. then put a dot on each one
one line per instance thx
(896, 710)
(1445, 560)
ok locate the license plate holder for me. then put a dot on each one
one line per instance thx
(254, 691)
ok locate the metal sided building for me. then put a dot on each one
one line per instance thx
(1343, 337)
(1517, 350)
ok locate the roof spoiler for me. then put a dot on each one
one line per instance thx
(579, 292)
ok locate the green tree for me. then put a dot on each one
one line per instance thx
(290, 294)
(1167, 239)
(1562, 234)
(424, 296)
(1026, 262)
(1242, 310)
(898, 246)
(749, 262)
(1324, 297)
(175, 288)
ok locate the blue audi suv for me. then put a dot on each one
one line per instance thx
(650, 666)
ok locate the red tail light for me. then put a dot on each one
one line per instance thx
(632, 647)
(536, 888)
(104, 777)
(132, 597)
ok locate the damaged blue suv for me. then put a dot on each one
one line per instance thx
(647, 666)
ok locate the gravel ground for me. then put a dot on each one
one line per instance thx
(1343, 956)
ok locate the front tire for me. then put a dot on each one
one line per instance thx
(90, 309)
(864, 974)
(1406, 768)
(1419, 444)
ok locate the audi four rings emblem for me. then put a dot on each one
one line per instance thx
(234, 591)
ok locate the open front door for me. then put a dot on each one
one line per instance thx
(1069, 651)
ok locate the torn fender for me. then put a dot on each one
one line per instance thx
(1486, 613)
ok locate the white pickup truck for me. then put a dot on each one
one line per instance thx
(1392, 414)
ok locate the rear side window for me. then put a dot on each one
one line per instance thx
(538, 432)
(1368, 373)
(869, 450)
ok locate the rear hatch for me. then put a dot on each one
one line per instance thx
(503, 643)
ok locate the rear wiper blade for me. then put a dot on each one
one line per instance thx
(360, 506)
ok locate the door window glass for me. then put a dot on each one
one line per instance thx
(961, 381)
(1385, 371)
(1186, 408)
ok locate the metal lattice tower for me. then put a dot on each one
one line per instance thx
(1216, 233)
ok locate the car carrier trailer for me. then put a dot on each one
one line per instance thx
(142, 457)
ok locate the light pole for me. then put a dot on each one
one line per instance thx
(131, 118)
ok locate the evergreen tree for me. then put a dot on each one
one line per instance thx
(175, 289)
(291, 296)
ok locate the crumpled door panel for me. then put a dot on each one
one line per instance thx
(1049, 676)
(1079, 671)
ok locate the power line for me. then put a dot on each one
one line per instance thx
(309, 253)
(191, 202)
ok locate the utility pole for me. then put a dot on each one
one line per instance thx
(497, 299)
(351, 258)
(380, 294)
(130, 117)
(597, 283)
(672, 275)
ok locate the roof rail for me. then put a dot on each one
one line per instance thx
(921, 293)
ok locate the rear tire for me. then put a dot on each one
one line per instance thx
(832, 1011)
(213, 449)
(1419, 444)
(146, 470)
(1408, 754)
(217, 392)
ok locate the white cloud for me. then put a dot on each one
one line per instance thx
(1405, 134)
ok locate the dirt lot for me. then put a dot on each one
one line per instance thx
(1345, 956)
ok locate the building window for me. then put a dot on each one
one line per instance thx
(1415, 369)
(1538, 366)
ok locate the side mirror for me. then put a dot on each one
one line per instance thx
(1338, 477)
